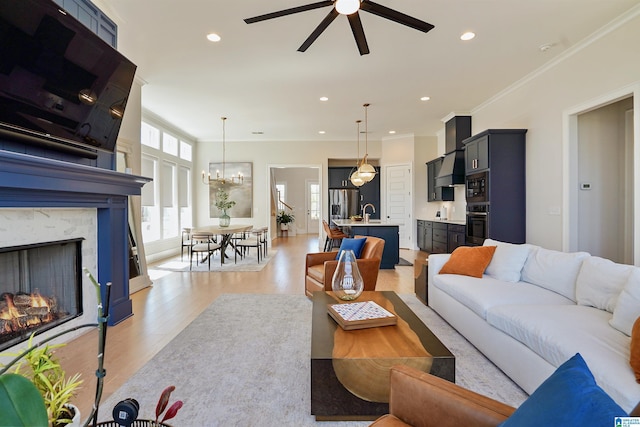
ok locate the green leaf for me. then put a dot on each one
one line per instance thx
(20, 403)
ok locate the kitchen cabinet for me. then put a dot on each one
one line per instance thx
(93, 18)
(501, 154)
(455, 236)
(440, 237)
(339, 177)
(434, 193)
(370, 193)
(476, 154)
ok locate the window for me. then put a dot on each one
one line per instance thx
(314, 199)
(169, 144)
(166, 201)
(282, 195)
(150, 136)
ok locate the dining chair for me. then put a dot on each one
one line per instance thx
(253, 239)
(203, 244)
(186, 242)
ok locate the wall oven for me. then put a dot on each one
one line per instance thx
(477, 186)
(477, 224)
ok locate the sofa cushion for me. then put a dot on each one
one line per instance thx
(569, 397)
(634, 359)
(469, 261)
(556, 333)
(600, 281)
(479, 295)
(507, 261)
(354, 245)
(627, 308)
(554, 270)
(317, 272)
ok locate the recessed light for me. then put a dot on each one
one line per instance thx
(213, 37)
(257, 132)
(324, 98)
(467, 36)
(392, 132)
(321, 132)
(425, 98)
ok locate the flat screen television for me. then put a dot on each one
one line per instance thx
(61, 85)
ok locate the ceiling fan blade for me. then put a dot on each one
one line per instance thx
(358, 33)
(291, 11)
(394, 15)
(319, 29)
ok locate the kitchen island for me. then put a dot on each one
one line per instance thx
(388, 231)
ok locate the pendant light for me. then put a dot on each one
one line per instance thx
(234, 180)
(366, 171)
(355, 175)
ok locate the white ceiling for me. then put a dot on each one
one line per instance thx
(256, 77)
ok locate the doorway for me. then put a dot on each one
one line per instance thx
(398, 186)
(602, 185)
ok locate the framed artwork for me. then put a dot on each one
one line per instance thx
(242, 194)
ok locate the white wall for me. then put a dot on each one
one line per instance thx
(265, 155)
(538, 104)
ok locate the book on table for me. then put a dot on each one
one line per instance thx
(360, 315)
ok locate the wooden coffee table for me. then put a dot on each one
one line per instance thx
(350, 369)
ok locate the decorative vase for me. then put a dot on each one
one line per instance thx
(225, 219)
(347, 283)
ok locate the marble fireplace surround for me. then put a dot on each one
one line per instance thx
(28, 181)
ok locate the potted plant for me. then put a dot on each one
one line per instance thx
(284, 219)
(46, 374)
(223, 204)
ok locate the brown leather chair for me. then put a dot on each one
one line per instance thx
(420, 399)
(320, 267)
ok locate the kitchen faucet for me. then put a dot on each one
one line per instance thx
(365, 215)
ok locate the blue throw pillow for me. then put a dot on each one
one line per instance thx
(355, 245)
(569, 397)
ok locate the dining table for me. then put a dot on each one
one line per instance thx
(225, 234)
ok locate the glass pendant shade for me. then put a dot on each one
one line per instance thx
(366, 171)
(356, 179)
(347, 283)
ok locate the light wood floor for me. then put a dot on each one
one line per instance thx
(174, 300)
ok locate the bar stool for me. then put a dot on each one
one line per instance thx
(334, 235)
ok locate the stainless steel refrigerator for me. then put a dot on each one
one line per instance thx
(343, 203)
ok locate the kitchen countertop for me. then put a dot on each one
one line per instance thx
(446, 221)
(371, 223)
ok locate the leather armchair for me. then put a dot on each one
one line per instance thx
(420, 399)
(320, 267)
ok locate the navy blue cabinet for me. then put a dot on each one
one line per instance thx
(93, 18)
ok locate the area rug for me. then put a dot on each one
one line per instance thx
(248, 263)
(245, 361)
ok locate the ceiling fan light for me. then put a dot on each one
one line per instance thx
(347, 7)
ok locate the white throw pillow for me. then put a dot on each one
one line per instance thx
(554, 270)
(600, 281)
(507, 261)
(628, 307)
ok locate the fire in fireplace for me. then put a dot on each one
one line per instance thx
(40, 288)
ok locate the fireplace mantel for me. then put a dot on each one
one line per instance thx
(34, 182)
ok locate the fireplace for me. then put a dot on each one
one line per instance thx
(40, 288)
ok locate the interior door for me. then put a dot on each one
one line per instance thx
(314, 204)
(398, 201)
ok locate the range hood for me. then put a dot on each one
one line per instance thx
(458, 128)
(452, 170)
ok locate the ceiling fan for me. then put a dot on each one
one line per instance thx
(349, 8)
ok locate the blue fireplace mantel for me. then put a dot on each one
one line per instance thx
(34, 182)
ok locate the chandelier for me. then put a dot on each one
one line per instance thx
(220, 177)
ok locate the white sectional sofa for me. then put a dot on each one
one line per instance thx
(534, 308)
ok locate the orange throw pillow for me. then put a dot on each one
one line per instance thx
(635, 349)
(469, 261)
